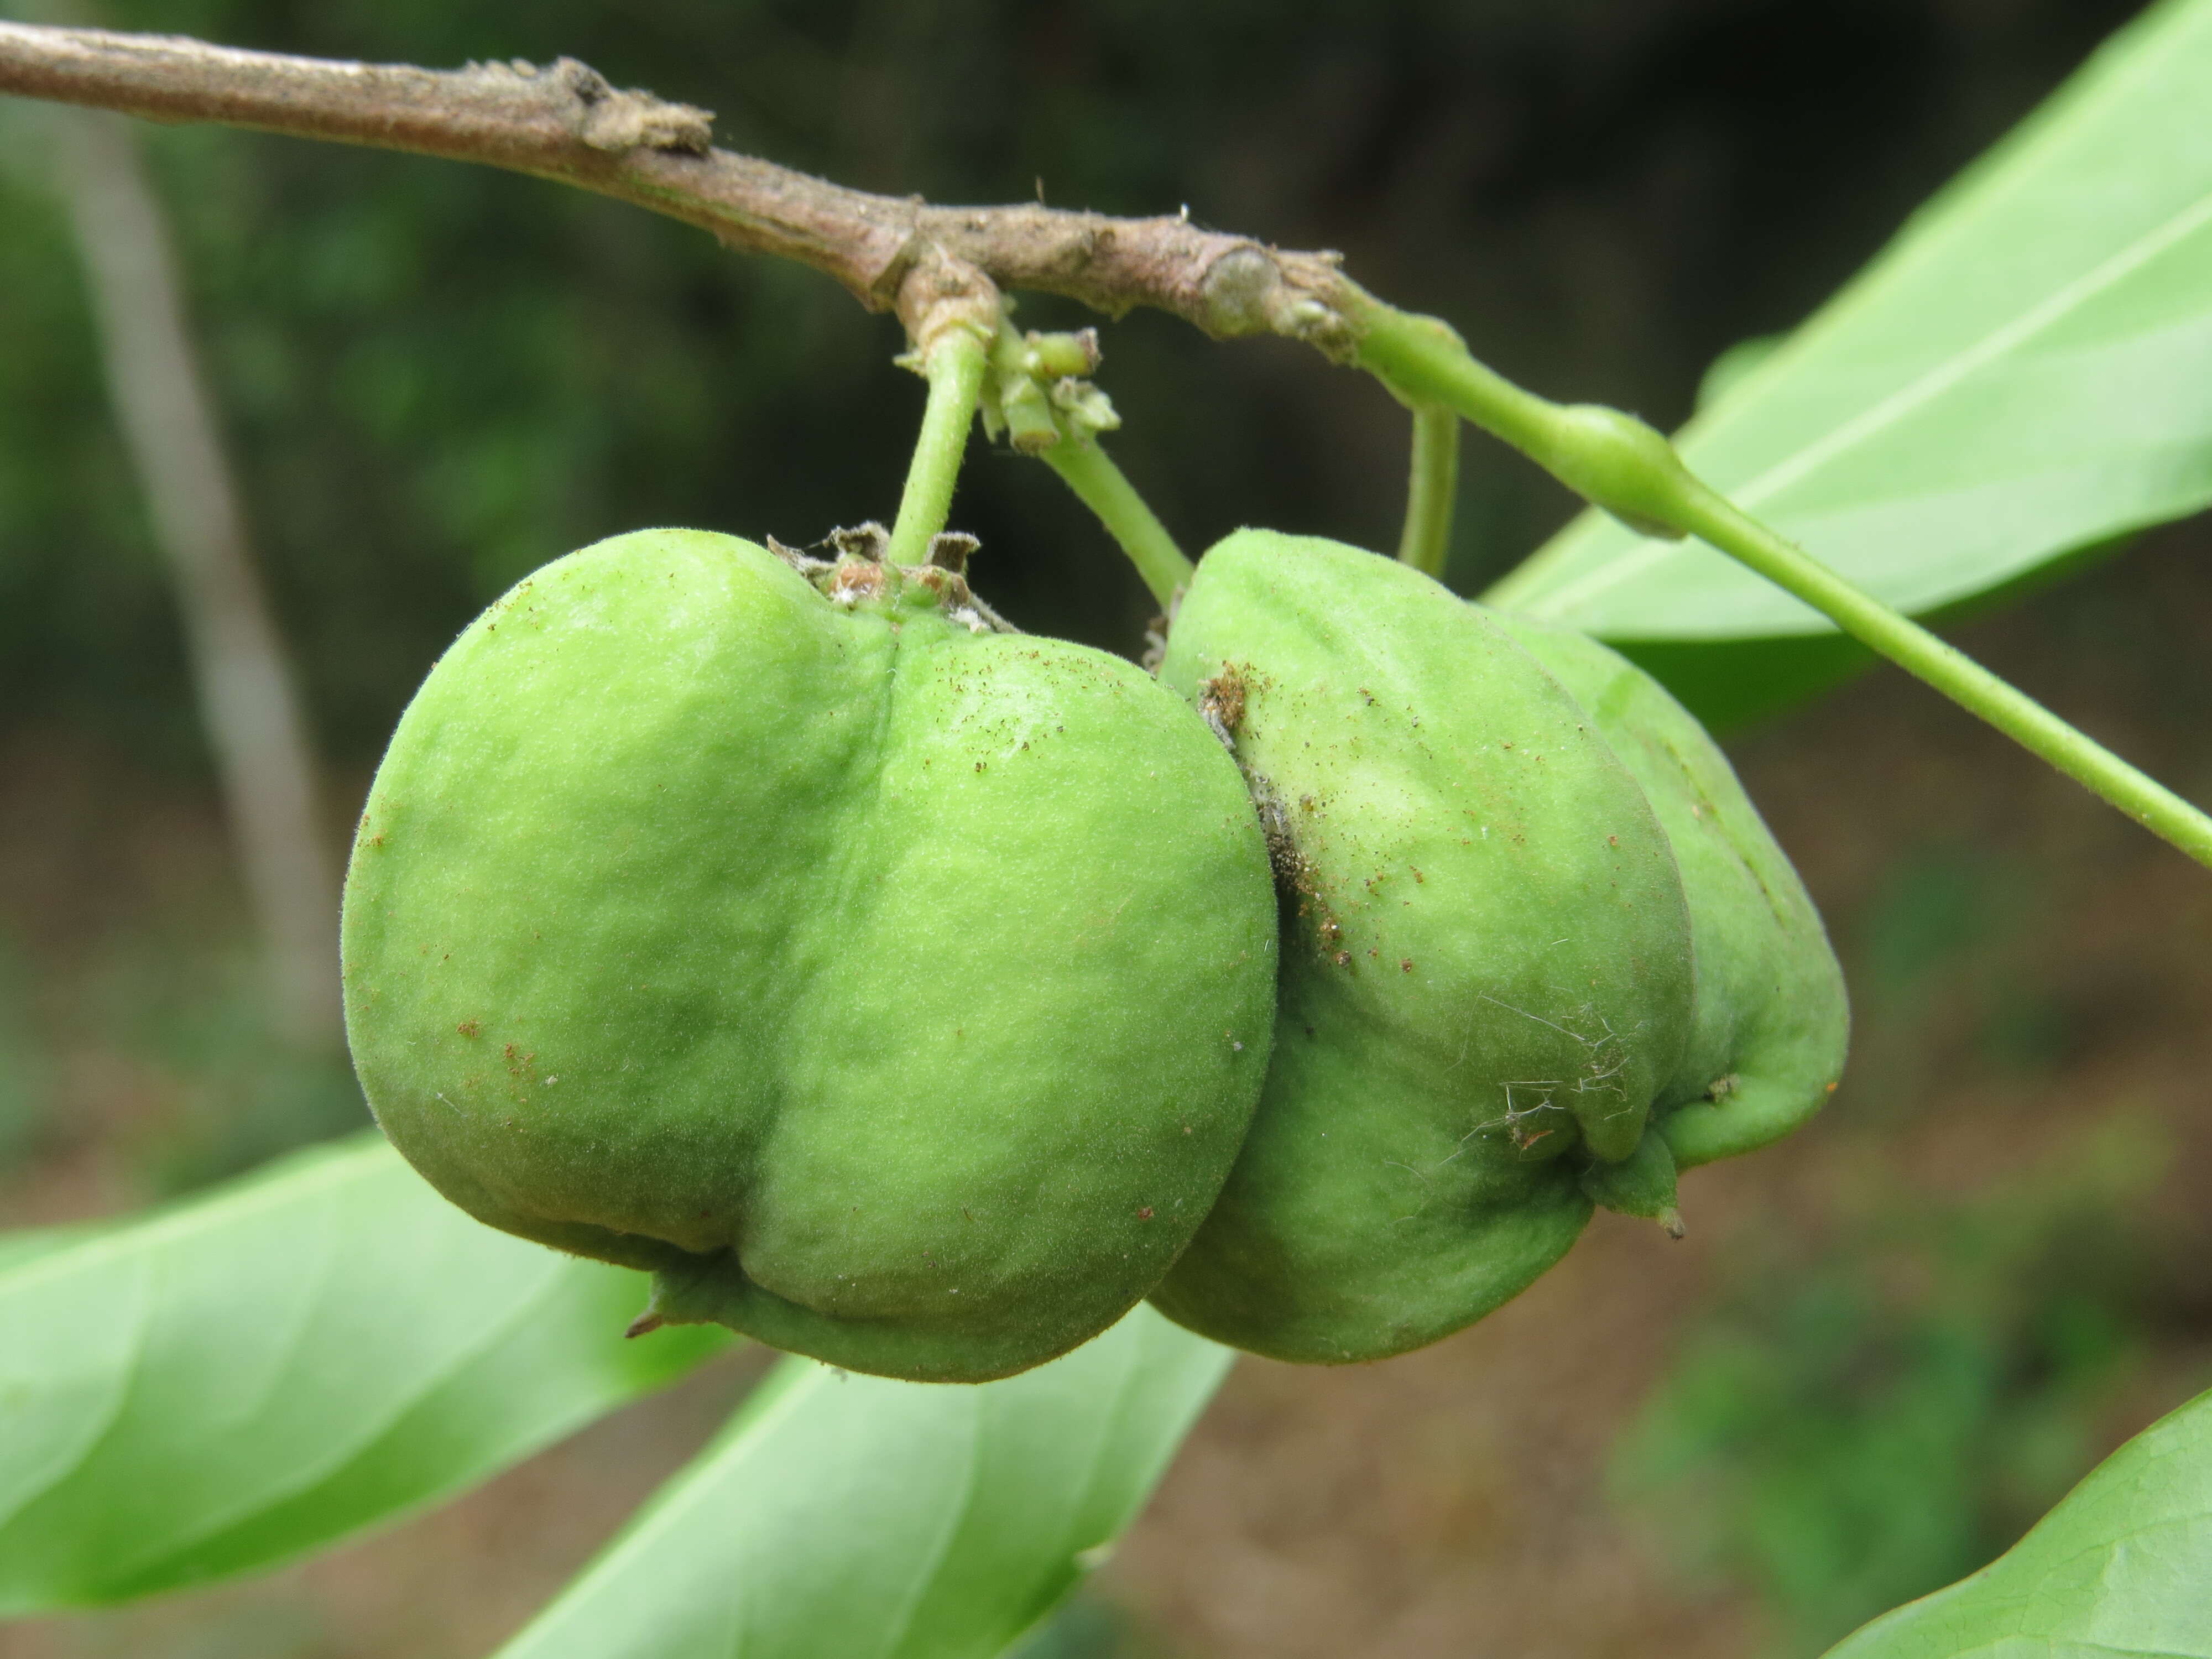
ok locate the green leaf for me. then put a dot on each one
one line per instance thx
(322, 1345)
(2025, 370)
(18, 1249)
(2122, 1566)
(865, 1518)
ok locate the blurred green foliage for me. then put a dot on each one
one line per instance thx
(238, 1093)
(438, 377)
(1868, 1417)
(1087, 1627)
(23, 1064)
(158, 1040)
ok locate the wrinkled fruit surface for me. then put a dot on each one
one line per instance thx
(897, 993)
(1486, 977)
(1772, 1022)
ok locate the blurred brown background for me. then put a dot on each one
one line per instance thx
(1885, 1348)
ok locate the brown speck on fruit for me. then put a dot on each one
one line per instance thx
(1504, 746)
(468, 1028)
(1221, 704)
(1418, 876)
(1613, 841)
(1405, 965)
(1343, 958)
(1144, 1214)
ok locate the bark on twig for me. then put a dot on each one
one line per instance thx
(564, 121)
(248, 704)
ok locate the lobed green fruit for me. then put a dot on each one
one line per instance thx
(1773, 1021)
(896, 992)
(1486, 977)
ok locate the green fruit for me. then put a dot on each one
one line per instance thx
(1641, 1185)
(1771, 1021)
(1486, 976)
(896, 990)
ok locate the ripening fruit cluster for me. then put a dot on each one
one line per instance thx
(921, 995)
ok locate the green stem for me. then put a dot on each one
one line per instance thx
(954, 370)
(1711, 518)
(1623, 466)
(1087, 471)
(1431, 491)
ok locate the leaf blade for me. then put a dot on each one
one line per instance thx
(884, 1520)
(2122, 1565)
(2025, 370)
(304, 1354)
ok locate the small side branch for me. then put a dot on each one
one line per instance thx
(563, 121)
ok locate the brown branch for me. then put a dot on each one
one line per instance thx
(565, 122)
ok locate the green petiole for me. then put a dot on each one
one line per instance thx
(1621, 464)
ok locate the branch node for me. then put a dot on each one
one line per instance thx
(1254, 290)
(939, 294)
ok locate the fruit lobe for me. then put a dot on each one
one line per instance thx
(897, 993)
(1772, 1020)
(1486, 976)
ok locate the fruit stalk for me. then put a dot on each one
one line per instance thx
(953, 363)
(1087, 471)
(1432, 489)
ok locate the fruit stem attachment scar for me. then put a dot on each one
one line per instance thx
(1628, 469)
(1432, 489)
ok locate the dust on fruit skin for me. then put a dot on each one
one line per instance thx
(861, 972)
(1486, 973)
